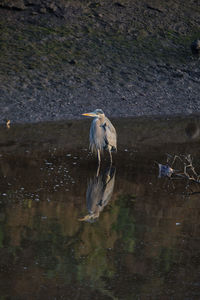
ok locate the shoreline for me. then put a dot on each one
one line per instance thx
(149, 117)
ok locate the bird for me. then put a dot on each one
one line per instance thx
(195, 47)
(102, 134)
(99, 193)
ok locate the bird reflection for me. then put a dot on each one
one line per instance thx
(99, 193)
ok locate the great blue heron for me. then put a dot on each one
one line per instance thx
(99, 193)
(102, 134)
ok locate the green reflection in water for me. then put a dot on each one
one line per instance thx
(1, 236)
(125, 223)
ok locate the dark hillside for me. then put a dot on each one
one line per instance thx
(58, 59)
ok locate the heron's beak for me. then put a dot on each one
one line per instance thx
(91, 114)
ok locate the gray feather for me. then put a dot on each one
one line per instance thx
(102, 135)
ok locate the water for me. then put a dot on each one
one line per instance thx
(59, 241)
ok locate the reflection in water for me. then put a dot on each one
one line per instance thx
(99, 193)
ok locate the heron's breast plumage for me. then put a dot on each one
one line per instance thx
(102, 135)
(97, 136)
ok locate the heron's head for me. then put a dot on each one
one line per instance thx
(97, 113)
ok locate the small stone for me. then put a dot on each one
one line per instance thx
(195, 47)
(53, 7)
(44, 58)
(17, 4)
(43, 10)
(119, 4)
(72, 62)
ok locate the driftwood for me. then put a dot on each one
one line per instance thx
(180, 167)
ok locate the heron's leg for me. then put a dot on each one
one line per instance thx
(98, 169)
(110, 156)
(99, 162)
(99, 156)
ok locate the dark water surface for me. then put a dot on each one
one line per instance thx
(66, 233)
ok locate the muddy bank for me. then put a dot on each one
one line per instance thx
(60, 59)
(134, 134)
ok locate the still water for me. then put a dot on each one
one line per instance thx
(66, 233)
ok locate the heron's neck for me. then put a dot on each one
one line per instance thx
(102, 119)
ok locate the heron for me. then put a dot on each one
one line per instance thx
(102, 134)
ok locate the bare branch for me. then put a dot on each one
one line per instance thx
(184, 162)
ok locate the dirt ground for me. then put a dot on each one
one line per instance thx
(130, 58)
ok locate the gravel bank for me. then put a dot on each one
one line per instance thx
(60, 59)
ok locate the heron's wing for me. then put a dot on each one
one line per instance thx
(110, 133)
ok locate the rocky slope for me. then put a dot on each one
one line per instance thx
(59, 59)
